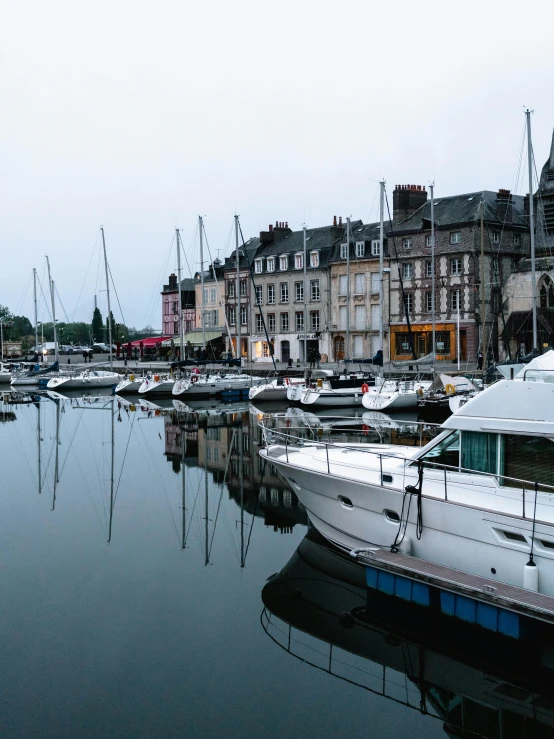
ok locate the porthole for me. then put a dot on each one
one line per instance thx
(386, 477)
(345, 502)
(512, 536)
(391, 516)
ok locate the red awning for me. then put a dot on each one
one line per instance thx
(150, 341)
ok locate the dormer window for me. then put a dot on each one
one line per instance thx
(360, 248)
(517, 239)
(299, 261)
(258, 266)
(375, 248)
(496, 237)
(283, 263)
(406, 243)
(343, 251)
(314, 259)
(270, 264)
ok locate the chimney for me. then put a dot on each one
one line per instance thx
(504, 209)
(172, 282)
(268, 237)
(281, 230)
(334, 220)
(406, 199)
(340, 220)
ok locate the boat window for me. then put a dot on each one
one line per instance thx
(445, 452)
(526, 458)
(479, 451)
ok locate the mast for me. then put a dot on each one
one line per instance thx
(53, 302)
(238, 316)
(483, 313)
(180, 302)
(35, 302)
(207, 557)
(241, 487)
(38, 451)
(57, 455)
(347, 348)
(458, 327)
(305, 300)
(108, 293)
(111, 478)
(381, 242)
(532, 229)
(203, 309)
(432, 189)
(183, 490)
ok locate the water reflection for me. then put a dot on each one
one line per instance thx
(319, 610)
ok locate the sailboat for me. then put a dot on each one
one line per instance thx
(89, 377)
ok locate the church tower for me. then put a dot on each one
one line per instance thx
(544, 199)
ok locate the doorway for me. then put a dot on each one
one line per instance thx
(339, 348)
(285, 351)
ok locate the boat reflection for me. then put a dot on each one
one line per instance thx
(479, 684)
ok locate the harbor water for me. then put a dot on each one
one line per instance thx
(158, 580)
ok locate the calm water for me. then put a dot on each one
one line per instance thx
(135, 548)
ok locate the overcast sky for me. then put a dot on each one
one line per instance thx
(140, 116)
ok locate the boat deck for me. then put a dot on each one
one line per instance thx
(519, 600)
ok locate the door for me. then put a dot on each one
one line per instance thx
(339, 348)
(285, 351)
(421, 345)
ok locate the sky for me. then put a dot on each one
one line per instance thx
(141, 116)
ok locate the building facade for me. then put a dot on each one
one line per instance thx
(170, 306)
(239, 310)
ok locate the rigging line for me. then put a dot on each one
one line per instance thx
(152, 303)
(124, 458)
(85, 277)
(543, 232)
(182, 247)
(221, 302)
(373, 205)
(48, 309)
(116, 294)
(60, 302)
(20, 307)
(73, 435)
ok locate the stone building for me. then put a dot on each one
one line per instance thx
(366, 313)
(213, 326)
(247, 252)
(458, 272)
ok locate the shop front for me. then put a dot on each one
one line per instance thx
(422, 334)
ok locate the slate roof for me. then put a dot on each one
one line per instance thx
(319, 239)
(251, 247)
(460, 209)
(360, 232)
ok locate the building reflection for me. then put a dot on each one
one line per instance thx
(226, 444)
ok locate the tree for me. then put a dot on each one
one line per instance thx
(97, 325)
(112, 319)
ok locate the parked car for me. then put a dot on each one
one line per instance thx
(101, 348)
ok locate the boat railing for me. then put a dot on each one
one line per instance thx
(530, 490)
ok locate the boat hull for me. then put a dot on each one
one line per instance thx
(82, 382)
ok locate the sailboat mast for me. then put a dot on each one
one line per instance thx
(241, 487)
(183, 491)
(207, 558)
(347, 348)
(57, 455)
(432, 190)
(458, 327)
(111, 477)
(53, 302)
(35, 302)
(203, 301)
(532, 229)
(108, 294)
(237, 289)
(180, 301)
(381, 240)
(483, 313)
(305, 298)
(38, 450)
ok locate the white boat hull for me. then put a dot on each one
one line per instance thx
(150, 386)
(130, 387)
(331, 398)
(84, 381)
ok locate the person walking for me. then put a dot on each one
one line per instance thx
(90, 355)
(85, 355)
(480, 361)
(318, 358)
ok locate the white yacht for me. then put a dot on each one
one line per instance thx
(156, 384)
(275, 389)
(197, 385)
(484, 488)
(394, 395)
(130, 385)
(5, 374)
(84, 380)
(337, 392)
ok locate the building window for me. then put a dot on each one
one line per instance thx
(258, 266)
(359, 284)
(299, 261)
(360, 248)
(517, 239)
(243, 315)
(299, 292)
(285, 323)
(314, 321)
(343, 285)
(232, 317)
(271, 294)
(283, 263)
(231, 292)
(284, 292)
(205, 296)
(343, 251)
(314, 259)
(213, 293)
(243, 287)
(259, 295)
(314, 290)
(428, 240)
(456, 237)
(456, 266)
(359, 317)
(429, 301)
(342, 317)
(428, 269)
(375, 248)
(407, 270)
(409, 302)
(211, 318)
(259, 323)
(271, 323)
(358, 347)
(299, 321)
(375, 283)
(455, 302)
(270, 264)
(407, 243)
(495, 237)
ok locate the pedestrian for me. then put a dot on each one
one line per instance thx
(480, 361)
(311, 358)
(90, 355)
(289, 363)
(85, 355)
(317, 358)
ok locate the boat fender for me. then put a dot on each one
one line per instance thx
(420, 392)
(405, 546)
(287, 381)
(531, 577)
(132, 378)
(194, 378)
(156, 378)
(319, 382)
(365, 429)
(449, 389)
(365, 388)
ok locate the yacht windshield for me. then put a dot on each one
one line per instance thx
(446, 452)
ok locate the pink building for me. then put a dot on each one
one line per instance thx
(170, 306)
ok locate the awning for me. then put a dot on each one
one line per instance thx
(150, 341)
(194, 338)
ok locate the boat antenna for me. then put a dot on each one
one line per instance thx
(108, 294)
